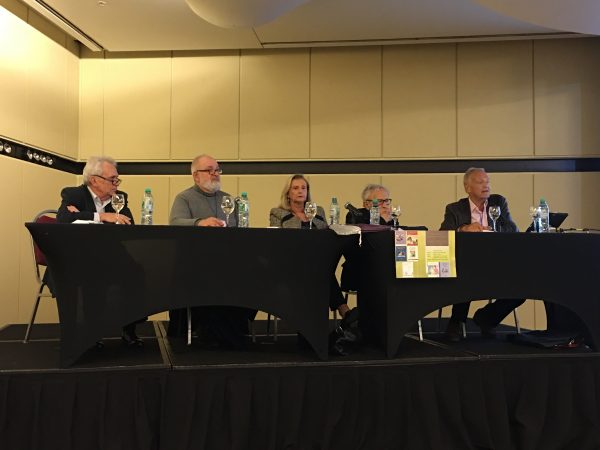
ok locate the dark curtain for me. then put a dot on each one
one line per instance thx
(480, 404)
(118, 410)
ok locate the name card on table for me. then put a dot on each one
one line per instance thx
(425, 254)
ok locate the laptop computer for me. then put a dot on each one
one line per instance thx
(556, 219)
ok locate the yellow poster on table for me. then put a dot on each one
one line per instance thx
(425, 254)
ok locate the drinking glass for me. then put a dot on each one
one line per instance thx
(227, 205)
(494, 212)
(396, 212)
(118, 202)
(310, 210)
(534, 212)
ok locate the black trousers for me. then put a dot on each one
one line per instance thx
(491, 314)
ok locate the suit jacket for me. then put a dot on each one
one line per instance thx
(459, 213)
(80, 198)
(279, 217)
(365, 217)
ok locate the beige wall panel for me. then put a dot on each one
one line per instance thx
(72, 107)
(14, 62)
(590, 214)
(91, 107)
(47, 97)
(41, 190)
(205, 110)
(274, 104)
(137, 107)
(264, 192)
(11, 234)
(419, 101)
(345, 102)
(422, 197)
(178, 183)
(567, 97)
(518, 190)
(495, 99)
(347, 188)
(135, 185)
(564, 192)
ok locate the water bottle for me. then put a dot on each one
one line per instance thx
(147, 207)
(334, 212)
(243, 211)
(544, 225)
(374, 213)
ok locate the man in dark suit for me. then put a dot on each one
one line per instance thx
(92, 202)
(470, 214)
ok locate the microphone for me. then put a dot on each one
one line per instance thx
(355, 212)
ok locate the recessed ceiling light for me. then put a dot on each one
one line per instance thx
(101, 3)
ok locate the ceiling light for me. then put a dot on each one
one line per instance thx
(242, 13)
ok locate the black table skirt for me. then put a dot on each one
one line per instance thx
(558, 268)
(108, 276)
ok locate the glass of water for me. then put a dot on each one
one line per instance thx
(494, 212)
(227, 205)
(310, 210)
(534, 212)
(118, 202)
(396, 212)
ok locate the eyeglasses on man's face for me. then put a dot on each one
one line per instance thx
(217, 171)
(113, 180)
(381, 201)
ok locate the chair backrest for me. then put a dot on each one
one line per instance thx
(45, 216)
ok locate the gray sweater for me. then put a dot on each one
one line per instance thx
(194, 204)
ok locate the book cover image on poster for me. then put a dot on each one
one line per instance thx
(400, 252)
(424, 254)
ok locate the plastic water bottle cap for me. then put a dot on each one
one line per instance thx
(148, 190)
(333, 199)
(244, 195)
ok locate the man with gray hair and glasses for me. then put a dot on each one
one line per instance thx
(200, 205)
(373, 192)
(92, 202)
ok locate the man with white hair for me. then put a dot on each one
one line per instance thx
(470, 214)
(92, 201)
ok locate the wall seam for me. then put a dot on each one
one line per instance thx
(310, 50)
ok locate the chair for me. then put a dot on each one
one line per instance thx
(40, 260)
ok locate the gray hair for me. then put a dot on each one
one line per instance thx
(470, 171)
(198, 158)
(94, 167)
(373, 187)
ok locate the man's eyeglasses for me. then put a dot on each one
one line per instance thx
(114, 181)
(217, 171)
(381, 201)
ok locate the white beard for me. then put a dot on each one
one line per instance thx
(211, 186)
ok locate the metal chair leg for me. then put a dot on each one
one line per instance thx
(517, 321)
(420, 330)
(189, 326)
(33, 314)
(439, 321)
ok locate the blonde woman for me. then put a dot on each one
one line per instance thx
(290, 212)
